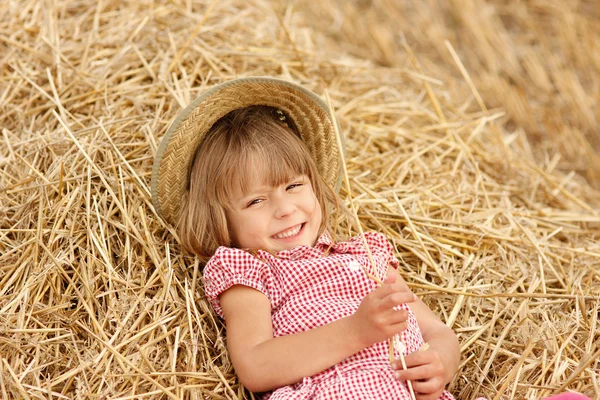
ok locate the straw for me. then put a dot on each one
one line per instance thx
(493, 214)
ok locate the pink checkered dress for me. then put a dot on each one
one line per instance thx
(308, 290)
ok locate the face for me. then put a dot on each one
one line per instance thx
(275, 218)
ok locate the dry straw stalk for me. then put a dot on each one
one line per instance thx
(472, 147)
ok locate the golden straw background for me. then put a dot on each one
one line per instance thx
(472, 141)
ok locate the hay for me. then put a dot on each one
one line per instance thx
(539, 61)
(496, 225)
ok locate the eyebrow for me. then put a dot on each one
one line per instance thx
(245, 197)
(256, 192)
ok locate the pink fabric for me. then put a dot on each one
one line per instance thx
(308, 290)
(568, 396)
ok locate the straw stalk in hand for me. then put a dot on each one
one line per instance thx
(396, 341)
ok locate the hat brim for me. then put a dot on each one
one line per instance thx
(308, 111)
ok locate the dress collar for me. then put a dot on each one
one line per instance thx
(323, 243)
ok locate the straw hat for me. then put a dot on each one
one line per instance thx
(308, 111)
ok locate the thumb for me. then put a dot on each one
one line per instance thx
(390, 275)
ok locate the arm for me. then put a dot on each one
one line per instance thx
(431, 370)
(264, 363)
(440, 338)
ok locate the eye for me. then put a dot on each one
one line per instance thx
(293, 186)
(254, 202)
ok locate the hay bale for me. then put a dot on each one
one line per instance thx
(98, 301)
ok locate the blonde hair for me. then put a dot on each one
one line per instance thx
(255, 135)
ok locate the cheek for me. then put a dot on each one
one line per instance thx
(317, 210)
(234, 226)
(232, 232)
(244, 227)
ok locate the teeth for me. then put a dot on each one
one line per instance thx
(289, 232)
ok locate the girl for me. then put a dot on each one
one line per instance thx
(245, 172)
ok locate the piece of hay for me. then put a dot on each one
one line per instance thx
(97, 298)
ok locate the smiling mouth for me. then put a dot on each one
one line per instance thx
(293, 231)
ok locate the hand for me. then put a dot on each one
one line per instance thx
(376, 320)
(426, 372)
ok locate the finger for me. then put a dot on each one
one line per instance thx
(383, 291)
(429, 396)
(418, 358)
(400, 285)
(390, 276)
(397, 298)
(399, 294)
(393, 278)
(391, 317)
(395, 318)
(398, 280)
(397, 322)
(414, 373)
(428, 387)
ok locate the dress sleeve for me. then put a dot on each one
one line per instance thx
(229, 267)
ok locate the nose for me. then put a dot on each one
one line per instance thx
(283, 207)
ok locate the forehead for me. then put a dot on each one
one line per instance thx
(257, 173)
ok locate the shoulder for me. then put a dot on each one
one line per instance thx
(233, 258)
(229, 267)
(229, 261)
